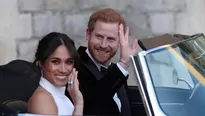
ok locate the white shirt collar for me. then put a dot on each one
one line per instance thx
(95, 62)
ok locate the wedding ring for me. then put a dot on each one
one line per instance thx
(70, 82)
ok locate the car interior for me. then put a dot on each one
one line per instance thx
(19, 79)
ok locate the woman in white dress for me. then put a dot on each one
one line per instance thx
(57, 59)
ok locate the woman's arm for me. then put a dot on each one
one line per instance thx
(42, 103)
(76, 95)
(78, 110)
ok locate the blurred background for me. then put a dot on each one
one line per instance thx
(24, 22)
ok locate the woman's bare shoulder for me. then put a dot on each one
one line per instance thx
(42, 102)
(41, 94)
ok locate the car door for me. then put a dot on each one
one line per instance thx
(156, 81)
(171, 79)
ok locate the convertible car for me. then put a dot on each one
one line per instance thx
(169, 70)
(171, 76)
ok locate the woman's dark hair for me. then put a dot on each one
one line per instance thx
(48, 44)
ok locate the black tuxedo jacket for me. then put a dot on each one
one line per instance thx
(98, 90)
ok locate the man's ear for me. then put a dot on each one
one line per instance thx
(88, 34)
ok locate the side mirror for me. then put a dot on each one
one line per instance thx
(176, 79)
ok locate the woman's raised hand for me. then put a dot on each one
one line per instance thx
(73, 90)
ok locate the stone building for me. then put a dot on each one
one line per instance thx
(24, 22)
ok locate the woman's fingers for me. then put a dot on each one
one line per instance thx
(74, 87)
(76, 83)
(70, 80)
(73, 77)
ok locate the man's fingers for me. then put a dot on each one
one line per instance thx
(121, 33)
(134, 46)
(127, 33)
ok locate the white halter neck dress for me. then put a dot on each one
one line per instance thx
(64, 105)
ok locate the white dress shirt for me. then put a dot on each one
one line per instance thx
(115, 97)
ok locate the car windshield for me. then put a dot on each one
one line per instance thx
(177, 72)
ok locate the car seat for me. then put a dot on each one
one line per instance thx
(18, 81)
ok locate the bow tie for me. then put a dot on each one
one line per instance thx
(103, 70)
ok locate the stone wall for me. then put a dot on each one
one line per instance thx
(24, 22)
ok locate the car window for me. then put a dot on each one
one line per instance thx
(165, 68)
(177, 74)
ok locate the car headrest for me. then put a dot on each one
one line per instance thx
(17, 105)
(18, 80)
(7, 111)
(19, 66)
(156, 41)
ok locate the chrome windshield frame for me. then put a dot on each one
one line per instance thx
(149, 85)
(148, 82)
(141, 88)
